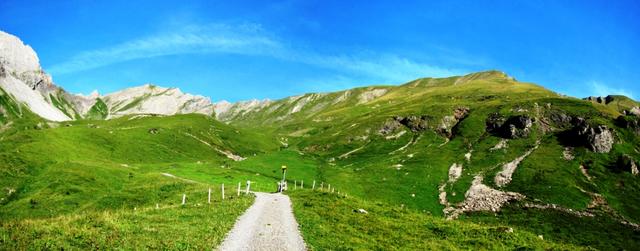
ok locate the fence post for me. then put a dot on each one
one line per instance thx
(313, 187)
(295, 184)
(223, 191)
(239, 189)
(157, 206)
(248, 186)
(209, 196)
(302, 184)
(184, 198)
(329, 187)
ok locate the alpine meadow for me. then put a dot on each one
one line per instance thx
(472, 161)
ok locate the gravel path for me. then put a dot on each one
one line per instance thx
(267, 225)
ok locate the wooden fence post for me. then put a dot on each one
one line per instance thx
(223, 191)
(321, 186)
(329, 187)
(313, 187)
(209, 196)
(239, 188)
(248, 186)
(302, 184)
(295, 184)
(184, 198)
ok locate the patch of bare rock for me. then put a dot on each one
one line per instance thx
(481, 197)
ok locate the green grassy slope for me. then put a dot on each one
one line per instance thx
(90, 166)
(109, 164)
(330, 222)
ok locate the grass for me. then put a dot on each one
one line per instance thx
(330, 222)
(193, 226)
(90, 167)
(601, 232)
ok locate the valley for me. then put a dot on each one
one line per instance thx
(463, 162)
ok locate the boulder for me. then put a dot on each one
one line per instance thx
(635, 111)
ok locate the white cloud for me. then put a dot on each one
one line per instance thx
(599, 89)
(252, 39)
(242, 39)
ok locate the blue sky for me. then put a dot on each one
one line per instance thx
(237, 50)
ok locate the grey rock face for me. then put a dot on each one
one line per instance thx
(389, 127)
(599, 139)
(512, 128)
(629, 122)
(449, 122)
(415, 123)
(627, 164)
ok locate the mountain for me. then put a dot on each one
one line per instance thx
(24, 82)
(505, 161)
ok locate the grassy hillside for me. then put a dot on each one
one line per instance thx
(332, 222)
(388, 147)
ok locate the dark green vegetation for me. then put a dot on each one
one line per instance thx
(331, 222)
(389, 146)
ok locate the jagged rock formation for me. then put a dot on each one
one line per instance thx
(512, 128)
(629, 122)
(24, 80)
(225, 110)
(151, 99)
(449, 122)
(626, 163)
(415, 123)
(599, 138)
(601, 100)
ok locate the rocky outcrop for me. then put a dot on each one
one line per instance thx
(598, 139)
(449, 122)
(601, 100)
(503, 178)
(514, 127)
(22, 77)
(389, 126)
(227, 111)
(629, 122)
(370, 95)
(481, 197)
(151, 99)
(455, 171)
(635, 111)
(626, 163)
(414, 123)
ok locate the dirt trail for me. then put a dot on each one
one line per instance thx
(268, 224)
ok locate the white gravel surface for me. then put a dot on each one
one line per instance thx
(268, 224)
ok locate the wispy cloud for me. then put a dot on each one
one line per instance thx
(217, 38)
(599, 89)
(251, 39)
